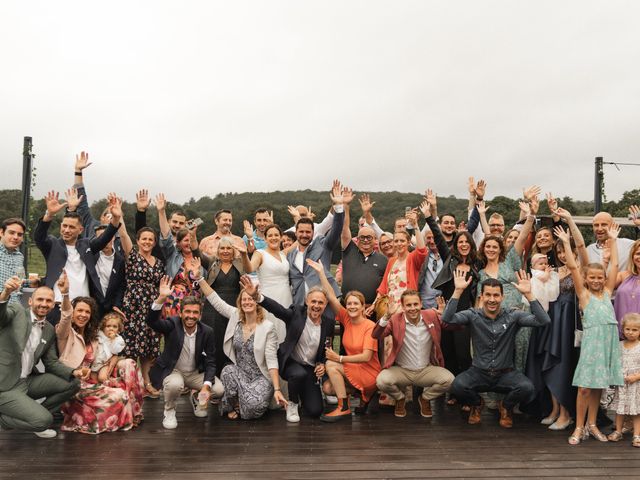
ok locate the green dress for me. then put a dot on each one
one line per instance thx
(600, 364)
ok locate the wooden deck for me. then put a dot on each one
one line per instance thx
(371, 446)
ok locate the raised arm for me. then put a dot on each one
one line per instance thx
(438, 238)
(538, 316)
(345, 236)
(214, 299)
(578, 239)
(482, 209)
(529, 210)
(612, 274)
(571, 264)
(460, 284)
(161, 205)
(328, 289)
(333, 237)
(115, 208)
(367, 205)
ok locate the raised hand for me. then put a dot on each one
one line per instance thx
(425, 208)
(471, 186)
(634, 212)
(195, 264)
(526, 209)
(614, 231)
(12, 284)
(143, 200)
(431, 198)
(241, 249)
(54, 205)
(524, 282)
(63, 283)
(248, 228)
(365, 203)
(270, 214)
(460, 280)
(482, 208)
(336, 193)
(535, 206)
(552, 203)
(293, 211)
(82, 161)
(412, 217)
(562, 234)
(161, 202)
(531, 192)
(317, 266)
(248, 286)
(310, 214)
(347, 195)
(73, 200)
(562, 213)
(480, 189)
(164, 289)
(115, 206)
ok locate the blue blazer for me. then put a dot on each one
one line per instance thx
(173, 341)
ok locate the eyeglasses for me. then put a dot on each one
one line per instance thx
(365, 238)
(386, 242)
(496, 225)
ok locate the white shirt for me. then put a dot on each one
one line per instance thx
(35, 337)
(104, 266)
(416, 347)
(77, 275)
(624, 247)
(307, 347)
(187, 360)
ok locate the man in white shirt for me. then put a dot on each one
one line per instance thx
(188, 358)
(601, 223)
(416, 358)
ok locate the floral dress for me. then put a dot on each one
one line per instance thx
(244, 382)
(142, 288)
(600, 364)
(627, 397)
(106, 407)
(182, 286)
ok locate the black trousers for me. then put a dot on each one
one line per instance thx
(303, 389)
(469, 384)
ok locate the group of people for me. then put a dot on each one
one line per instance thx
(512, 319)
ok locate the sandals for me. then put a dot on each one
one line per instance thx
(615, 436)
(578, 435)
(636, 441)
(234, 414)
(150, 391)
(597, 434)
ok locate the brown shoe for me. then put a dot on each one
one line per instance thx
(425, 407)
(475, 414)
(400, 410)
(506, 421)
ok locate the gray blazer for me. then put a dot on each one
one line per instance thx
(15, 328)
(321, 248)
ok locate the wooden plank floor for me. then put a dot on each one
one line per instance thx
(372, 446)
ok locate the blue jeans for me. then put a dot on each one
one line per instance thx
(469, 384)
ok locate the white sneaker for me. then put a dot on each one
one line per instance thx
(198, 411)
(48, 433)
(292, 413)
(331, 399)
(170, 421)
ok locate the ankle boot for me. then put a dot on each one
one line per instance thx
(341, 411)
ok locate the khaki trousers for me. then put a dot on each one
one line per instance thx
(435, 380)
(173, 384)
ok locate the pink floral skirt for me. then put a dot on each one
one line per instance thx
(107, 407)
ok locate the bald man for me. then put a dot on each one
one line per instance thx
(601, 223)
(362, 267)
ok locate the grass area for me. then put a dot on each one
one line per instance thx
(36, 261)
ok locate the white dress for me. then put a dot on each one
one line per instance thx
(273, 276)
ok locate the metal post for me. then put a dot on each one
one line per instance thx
(27, 158)
(599, 182)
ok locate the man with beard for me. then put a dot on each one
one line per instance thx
(301, 276)
(223, 220)
(493, 333)
(25, 339)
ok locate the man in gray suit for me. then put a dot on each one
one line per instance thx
(301, 275)
(25, 339)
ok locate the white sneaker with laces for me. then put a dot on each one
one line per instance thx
(198, 411)
(48, 433)
(170, 421)
(292, 413)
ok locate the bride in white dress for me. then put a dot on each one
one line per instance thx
(273, 275)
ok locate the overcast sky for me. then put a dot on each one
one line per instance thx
(199, 97)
